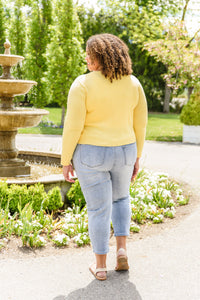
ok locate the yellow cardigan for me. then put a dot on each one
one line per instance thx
(102, 113)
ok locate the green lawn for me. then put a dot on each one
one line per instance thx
(161, 127)
(41, 130)
(164, 127)
(54, 116)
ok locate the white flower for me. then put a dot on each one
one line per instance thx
(180, 198)
(160, 217)
(171, 201)
(78, 239)
(69, 209)
(150, 197)
(143, 204)
(145, 183)
(60, 237)
(153, 208)
(173, 209)
(68, 217)
(133, 224)
(162, 184)
(179, 192)
(41, 239)
(84, 237)
(141, 193)
(67, 226)
(166, 193)
(18, 224)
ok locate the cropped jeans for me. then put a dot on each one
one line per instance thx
(104, 174)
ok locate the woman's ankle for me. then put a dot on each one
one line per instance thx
(121, 242)
(100, 260)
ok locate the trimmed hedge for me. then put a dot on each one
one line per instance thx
(75, 195)
(12, 195)
(190, 114)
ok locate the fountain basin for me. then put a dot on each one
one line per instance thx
(10, 60)
(50, 180)
(20, 118)
(10, 88)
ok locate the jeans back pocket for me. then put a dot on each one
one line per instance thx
(92, 156)
(130, 154)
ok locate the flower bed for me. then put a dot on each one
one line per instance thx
(153, 196)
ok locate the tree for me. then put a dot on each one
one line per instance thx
(97, 22)
(38, 39)
(141, 18)
(65, 55)
(179, 53)
(17, 34)
(181, 56)
(2, 28)
(146, 68)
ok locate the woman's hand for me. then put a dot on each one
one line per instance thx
(67, 171)
(136, 169)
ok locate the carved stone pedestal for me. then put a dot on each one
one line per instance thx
(10, 165)
(14, 167)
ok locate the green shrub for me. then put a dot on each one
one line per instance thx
(17, 194)
(4, 194)
(75, 195)
(34, 194)
(190, 114)
(54, 199)
(37, 196)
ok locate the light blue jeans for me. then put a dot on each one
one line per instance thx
(104, 174)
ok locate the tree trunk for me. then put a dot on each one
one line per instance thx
(189, 92)
(185, 10)
(63, 115)
(167, 99)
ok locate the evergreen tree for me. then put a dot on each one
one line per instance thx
(65, 54)
(39, 37)
(17, 35)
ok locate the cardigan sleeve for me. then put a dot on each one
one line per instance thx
(74, 121)
(140, 120)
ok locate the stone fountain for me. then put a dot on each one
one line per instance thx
(12, 118)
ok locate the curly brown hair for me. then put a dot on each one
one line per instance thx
(111, 53)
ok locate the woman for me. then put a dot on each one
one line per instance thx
(104, 134)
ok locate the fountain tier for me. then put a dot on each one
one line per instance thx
(20, 118)
(12, 118)
(10, 60)
(12, 88)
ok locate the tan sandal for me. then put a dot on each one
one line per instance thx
(95, 271)
(122, 260)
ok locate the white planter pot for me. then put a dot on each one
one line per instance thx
(191, 134)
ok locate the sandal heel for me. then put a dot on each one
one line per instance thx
(122, 261)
